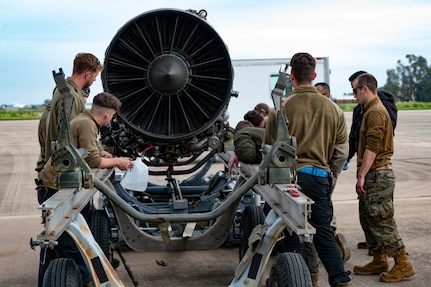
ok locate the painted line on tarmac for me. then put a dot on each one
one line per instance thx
(19, 216)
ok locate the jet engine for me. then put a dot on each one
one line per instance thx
(173, 74)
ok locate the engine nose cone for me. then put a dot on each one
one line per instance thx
(168, 74)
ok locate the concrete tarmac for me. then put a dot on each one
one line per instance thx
(20, 218)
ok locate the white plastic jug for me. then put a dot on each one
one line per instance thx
(136, 178)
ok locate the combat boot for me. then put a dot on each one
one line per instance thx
(402, 269)
(375, 267)
(315, 278)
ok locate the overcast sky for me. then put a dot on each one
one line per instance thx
(37, 36)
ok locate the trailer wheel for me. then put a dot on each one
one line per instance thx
(252, 216)
(62, 272)
(289, 270)
(99, 226)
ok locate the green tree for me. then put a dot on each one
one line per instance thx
(424, 90)
(393, 83)
(411, 82)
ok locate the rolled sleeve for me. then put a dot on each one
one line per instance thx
(375, 133)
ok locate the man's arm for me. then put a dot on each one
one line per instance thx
(84, 133)
(123, 163)
(367, 162)
(233, 161)
(341, 148)
(339, 158)
(245, 147)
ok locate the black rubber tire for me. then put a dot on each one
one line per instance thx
(289, 270)
(252, 216)
(101, 230)
(62, 272)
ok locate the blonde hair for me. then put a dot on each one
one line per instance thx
(86, 62)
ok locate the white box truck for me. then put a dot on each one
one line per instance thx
(254, 79)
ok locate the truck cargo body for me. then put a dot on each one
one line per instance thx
(254, 79)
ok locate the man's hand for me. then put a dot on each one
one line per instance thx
(360, 187)
(233, 160)
(125, 163)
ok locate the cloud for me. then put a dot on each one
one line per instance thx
(39, 36)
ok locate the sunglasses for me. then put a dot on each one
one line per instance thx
(355, 90)
(95, 65)
(261, 111)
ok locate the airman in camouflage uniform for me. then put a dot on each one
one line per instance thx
(388, 100)
(375, 186)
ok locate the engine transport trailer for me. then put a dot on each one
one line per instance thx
(174, 76)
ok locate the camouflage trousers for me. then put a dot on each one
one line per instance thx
(376, 212)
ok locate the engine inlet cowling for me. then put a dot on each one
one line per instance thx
(171, 71)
